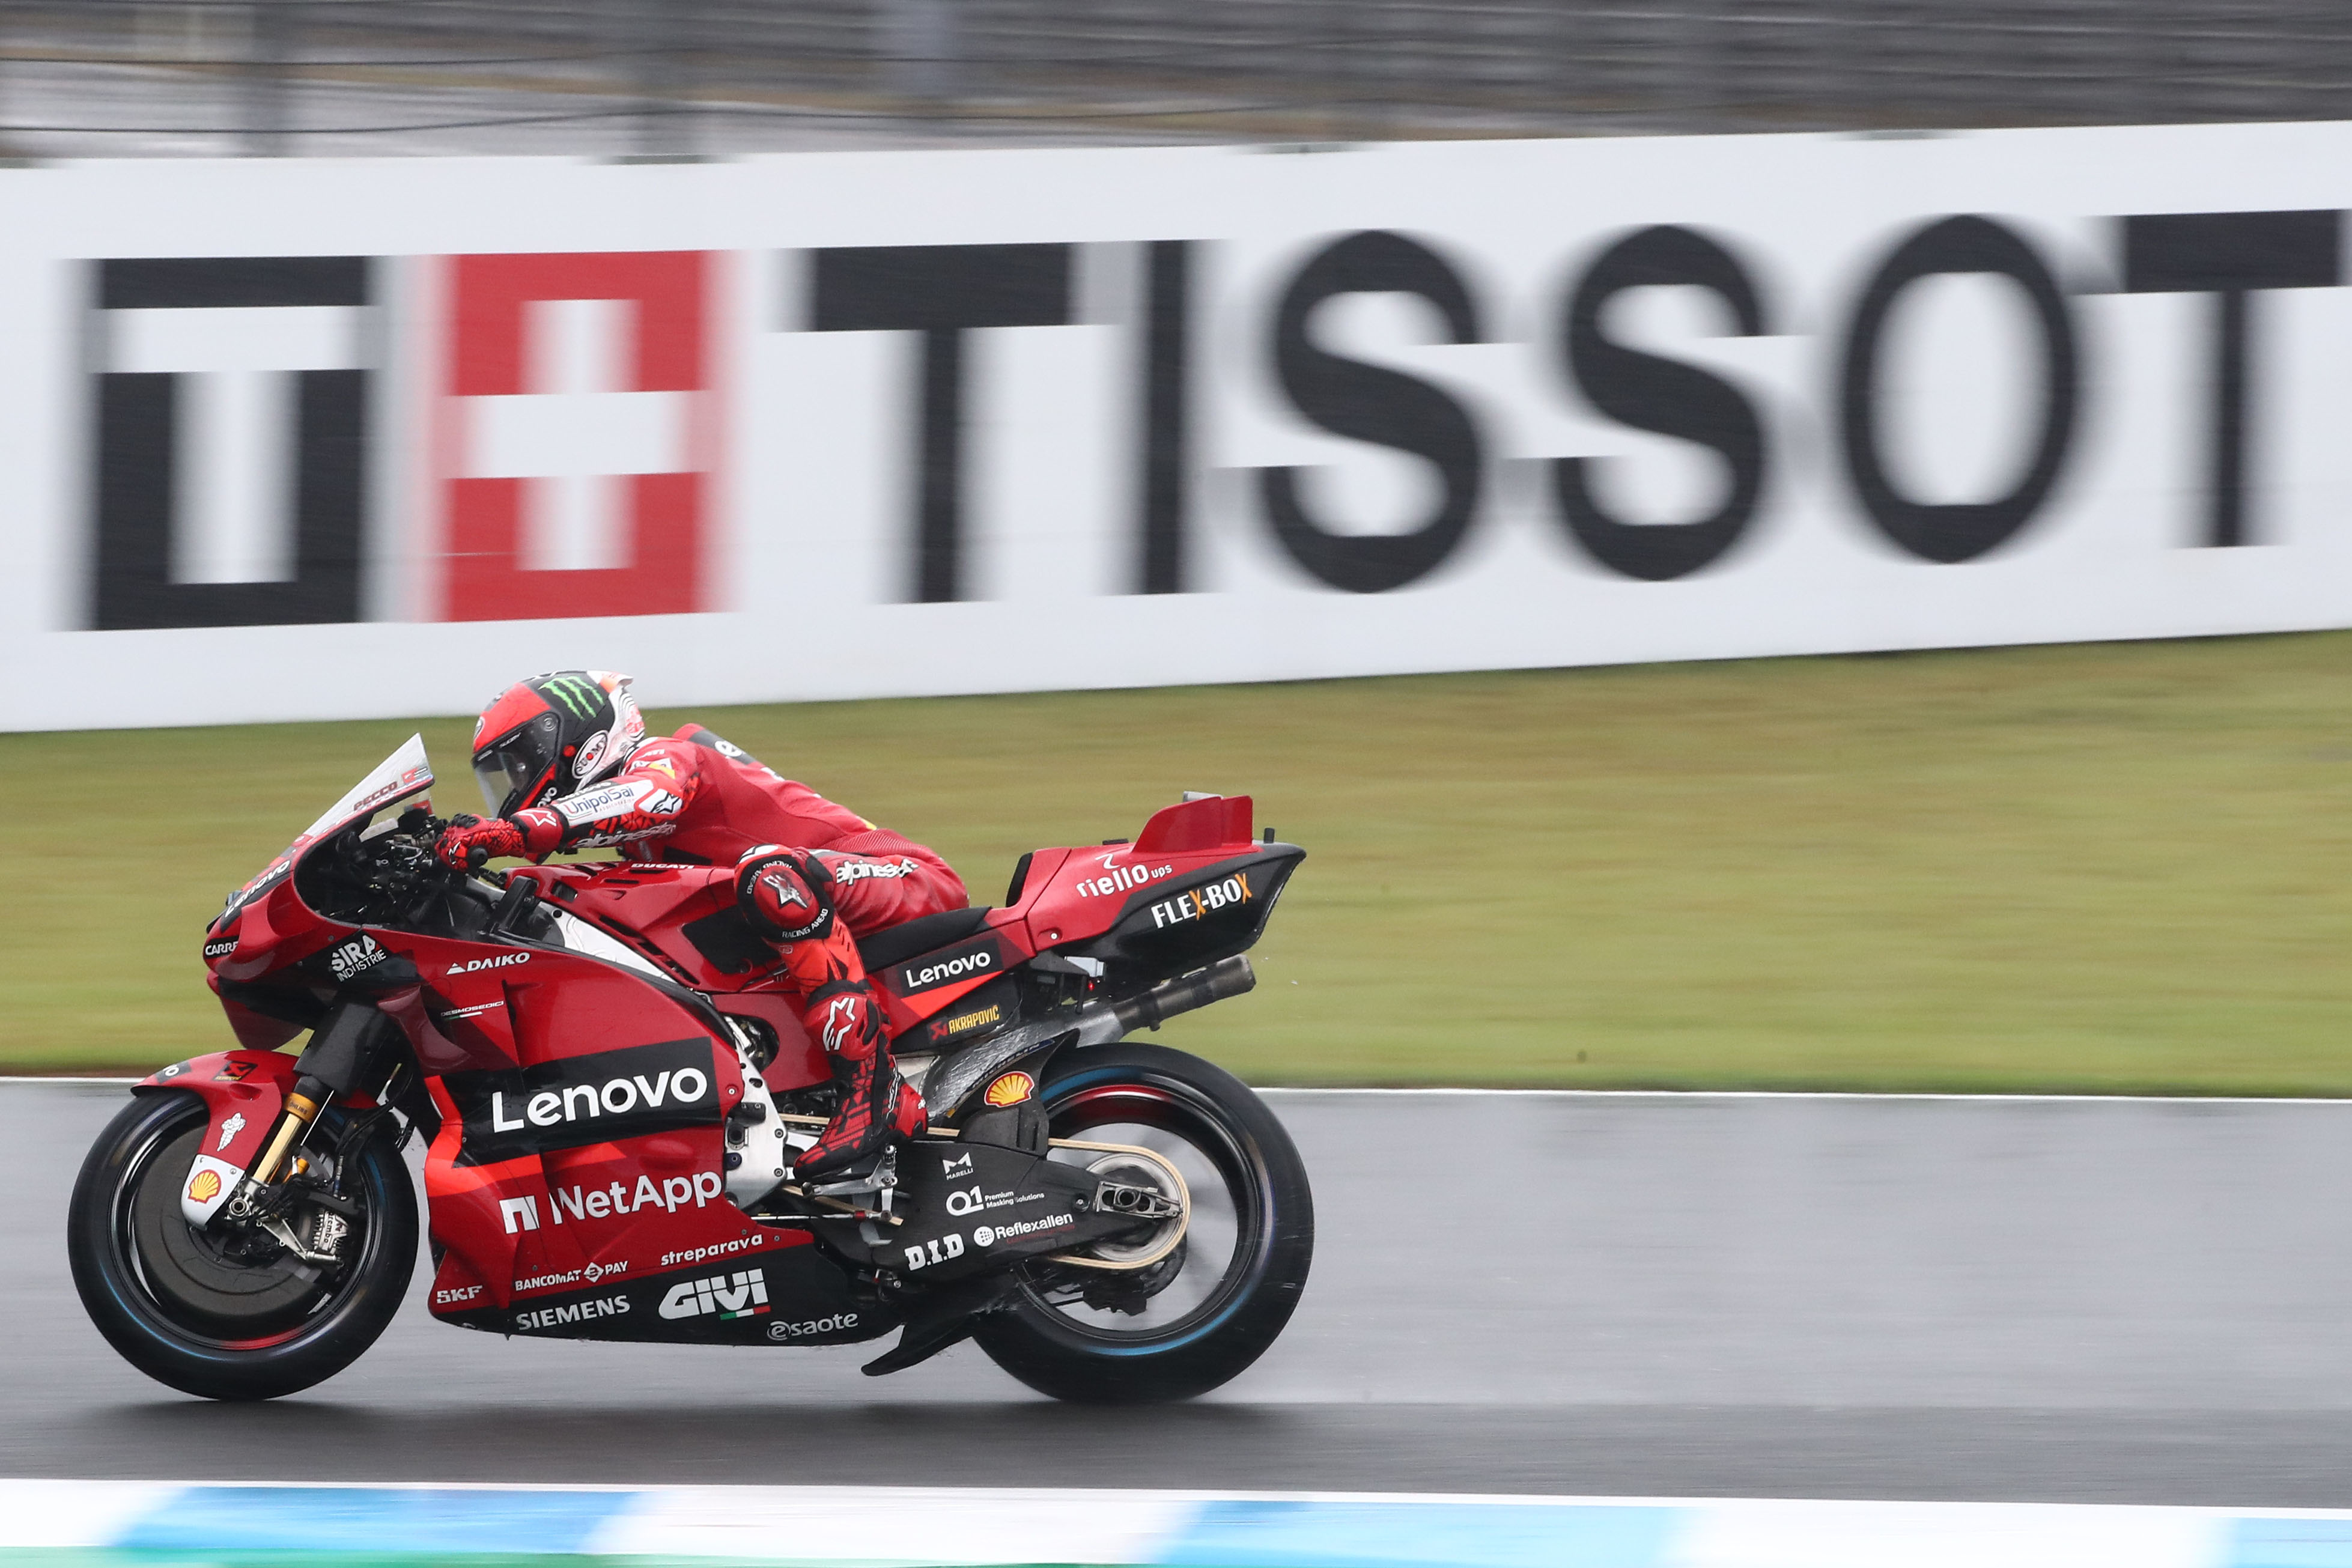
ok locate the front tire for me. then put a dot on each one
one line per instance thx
(1215, 1306)
(186, 1315)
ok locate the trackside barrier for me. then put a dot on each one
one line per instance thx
(310, 438)
(160, 1525)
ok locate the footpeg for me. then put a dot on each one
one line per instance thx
(882, 1176)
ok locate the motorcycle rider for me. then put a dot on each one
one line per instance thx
(564, 764)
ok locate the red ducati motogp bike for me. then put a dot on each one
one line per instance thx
(610, 1086)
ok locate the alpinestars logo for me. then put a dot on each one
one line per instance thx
(845, 872)
(355, 958)
(842, 1015)
(743, 1294)
(475, 965)
(782, 887)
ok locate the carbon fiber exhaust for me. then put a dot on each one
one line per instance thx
(1230, 977)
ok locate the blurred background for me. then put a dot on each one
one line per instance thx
(2107, 867)
(672, 79)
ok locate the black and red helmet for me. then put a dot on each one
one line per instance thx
(541, 739)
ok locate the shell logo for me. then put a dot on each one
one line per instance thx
(1010, 1089)
(205, 1188)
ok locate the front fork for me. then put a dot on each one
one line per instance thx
(354, 1044)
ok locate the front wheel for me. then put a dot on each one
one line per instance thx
(1199, 1316)
(211, 1317)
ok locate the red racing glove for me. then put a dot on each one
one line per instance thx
(470, 842)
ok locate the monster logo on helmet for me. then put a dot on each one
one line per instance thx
(554, 733)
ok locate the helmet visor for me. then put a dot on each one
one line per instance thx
(513, 769)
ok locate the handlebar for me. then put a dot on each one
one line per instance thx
(396, 863)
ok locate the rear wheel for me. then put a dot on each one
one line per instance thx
(216, 1320)
(1199, 1316)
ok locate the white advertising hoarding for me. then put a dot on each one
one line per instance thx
(315, 439)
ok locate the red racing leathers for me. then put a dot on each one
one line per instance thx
(699, 799)
(696, 798)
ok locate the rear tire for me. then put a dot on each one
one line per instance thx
(175, 1308)
(1242, 1300)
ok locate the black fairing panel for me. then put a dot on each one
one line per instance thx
(1202, 917)
(909, 939)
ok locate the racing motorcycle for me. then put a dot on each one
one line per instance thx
(610, 1085)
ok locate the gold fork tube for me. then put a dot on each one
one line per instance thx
(300, 1112)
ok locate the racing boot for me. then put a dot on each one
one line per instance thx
(876, 1111)
(787, 896)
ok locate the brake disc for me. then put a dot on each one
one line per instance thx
(191, 1271)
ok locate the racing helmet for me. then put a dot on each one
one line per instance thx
(544, 737)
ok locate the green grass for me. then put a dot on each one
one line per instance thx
(2121, 866)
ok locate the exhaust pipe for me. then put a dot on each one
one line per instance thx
(1231, 977)
(957, 1075)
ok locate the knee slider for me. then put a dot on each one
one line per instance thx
(786, 894)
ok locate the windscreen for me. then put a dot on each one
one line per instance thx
(398, 777)
(403, 775)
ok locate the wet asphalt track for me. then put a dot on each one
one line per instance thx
(2144, 1301)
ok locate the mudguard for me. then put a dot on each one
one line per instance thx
(243, 1092)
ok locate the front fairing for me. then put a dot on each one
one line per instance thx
(402, 777)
